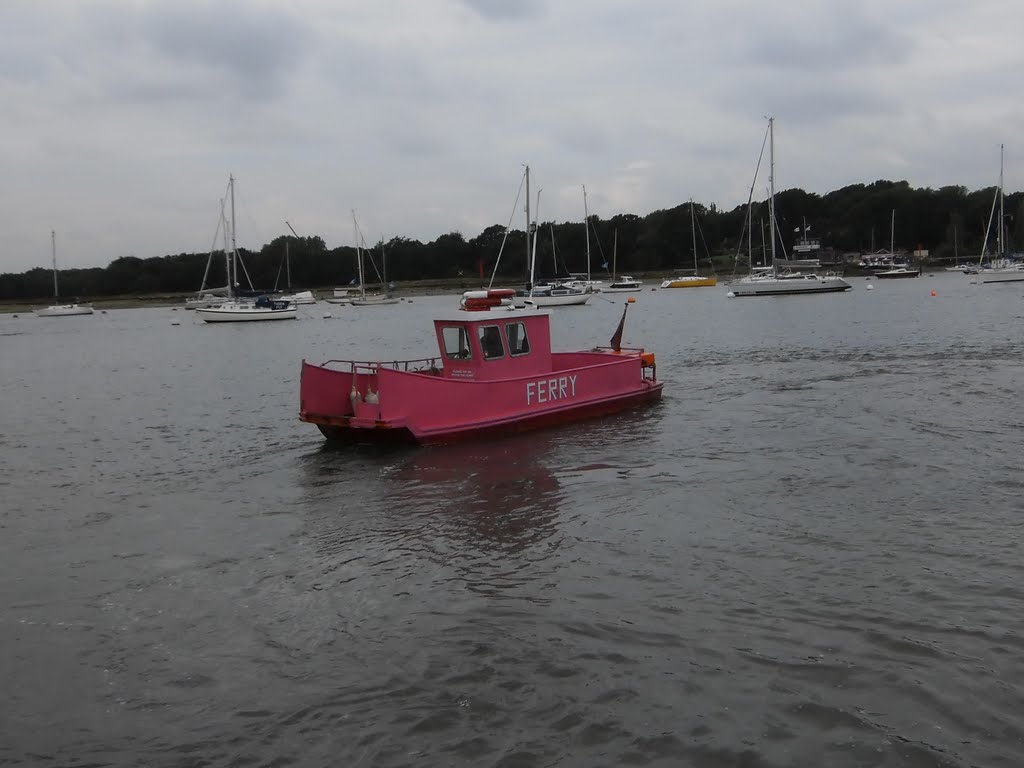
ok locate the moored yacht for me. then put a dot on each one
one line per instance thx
(695, 280)
(60, 310)
(772, 281)
(241, 309)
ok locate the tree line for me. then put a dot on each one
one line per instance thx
(948, 222)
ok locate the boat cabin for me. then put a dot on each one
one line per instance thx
(485, 345)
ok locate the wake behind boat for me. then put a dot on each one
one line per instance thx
(495, 373)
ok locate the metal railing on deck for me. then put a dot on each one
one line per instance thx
(419, 365)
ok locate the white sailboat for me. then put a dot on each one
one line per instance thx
(695, 280)
(1001, 269)
(365, 299)
(895, 270)
(547, 295)
(584, 283)
(238, 309)
(296, 297)
(61, 310)
(770, 281)
(625, 283)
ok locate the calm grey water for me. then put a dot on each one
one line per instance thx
(807, 554)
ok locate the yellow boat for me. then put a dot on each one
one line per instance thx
(694, 280)
(690, 281)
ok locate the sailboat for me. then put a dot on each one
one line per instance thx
(297, 297)
(238, 309)
(1001, 269)
(694, 280)
(585, 282)
(365, 299)
(624, 284)
(555, 295)
(771, 281)
(895, 270)
(61, 310)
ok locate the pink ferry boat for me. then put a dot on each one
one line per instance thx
(495, 373)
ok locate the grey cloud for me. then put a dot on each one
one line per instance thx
(255, 50)
(844, 40)
(505, 9)
(813, 101)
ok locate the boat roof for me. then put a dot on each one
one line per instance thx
(488, 315)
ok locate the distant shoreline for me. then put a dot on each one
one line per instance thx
(408, 288)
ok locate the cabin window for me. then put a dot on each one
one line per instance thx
(490, 342)
(456, 342)
(518, 344)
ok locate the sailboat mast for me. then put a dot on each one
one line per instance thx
(533, 256)
(1002, 219)
(53, 249)
(359, 255)
(286, 259)
(892, 233)
(227, 251)
(528, 260)
(233, 278)
(693, 231)
(750, 234)
(771, 184)
(764, 245)
(586, 225)
(615, 254)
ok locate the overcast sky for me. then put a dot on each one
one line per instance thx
(122, 119)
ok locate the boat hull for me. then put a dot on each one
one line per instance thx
(302, 297)
(789, 287)
(1002, 276)
(901, 274)
(693, 281)
(246, 315)
(428, 407)
(402, 435)
(570, 300)
(64, 310)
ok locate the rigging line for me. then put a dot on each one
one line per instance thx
(244, 270)
(700, 231)
(243, 204)
(515, 210)
(213, 247)
(988, 229)
(599, 248)
(369, 253)
(750, 199)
